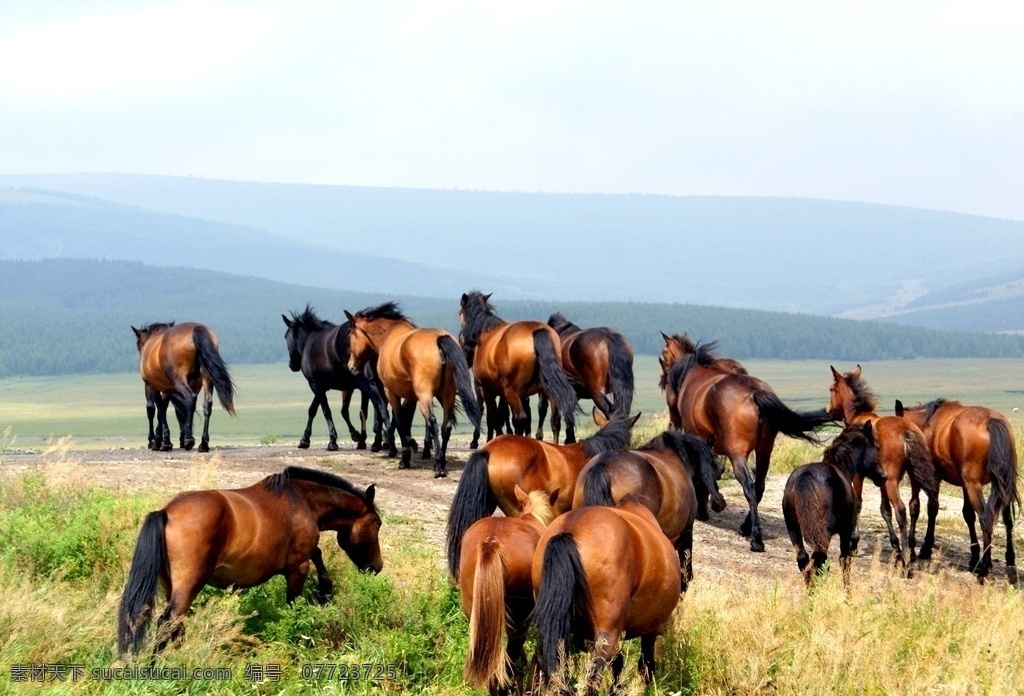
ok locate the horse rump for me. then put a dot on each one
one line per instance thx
(562, 613)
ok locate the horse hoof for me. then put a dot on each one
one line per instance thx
(1012, 577)
(925, 555)
(375, 447)
(189, 444)
(440, 474)
(404, 465)
(204, 447)
(757, 545)
(166, 447)
(332, 446)
(303, 444)
(361, 445)
(474, 444)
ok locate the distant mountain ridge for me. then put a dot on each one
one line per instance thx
(794, 255)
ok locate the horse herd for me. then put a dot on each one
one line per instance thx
(595, 541)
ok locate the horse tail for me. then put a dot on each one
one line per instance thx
(620, 372)
(472, 501)
(456, 357)
(562, 613)
(1002, 468)
(597, 487)
(553, 377)
(704, 464)
(799, 424)
(919, 462)
(148, 563)
(486, 659)
(811, 507)
(209, 358)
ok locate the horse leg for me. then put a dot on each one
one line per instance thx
(646, 666)
(204, 442)
(163, 430)
(151, 397)
(520, 418)
(684, 547)
(606, 648)
(752, 523)
(891, 493)
(975, 495)
(1011, 553)
(969, 518)
(295, 581)
(858, 502)
(542, 413)
(314, 406)
(403, 415)
(354, 435)
(324, 586)
(845, 555)
(364, 404)
(170, 627)
(332, 432)
(516, 627)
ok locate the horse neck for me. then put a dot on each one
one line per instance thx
(332, 507)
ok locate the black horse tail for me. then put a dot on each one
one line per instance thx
(597, 487)
(919, 462)
(456, 357)
(553, 377)
(137, 601)
(620, 372)
(1002, 468)
(473, 501)
(703, 464)
(209, 358)
(799, 424)
(562, 612)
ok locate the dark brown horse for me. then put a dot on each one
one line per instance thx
(320, 350)
(901, 449)
(490, 476)
(740, 414)
(603, 574)
(972, 446)
(514, 361)
(496, 584)
(414, 366)
(242, 538)
(819, 501)
(673, 474)
(599, 362)
(176, 361)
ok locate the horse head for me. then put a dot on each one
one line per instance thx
(148, 331)
(360, 540)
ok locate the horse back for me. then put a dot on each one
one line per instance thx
(410, 361)
(713, 402)
(532, 464)
(506, 353)
(821, 501)
(678, 508)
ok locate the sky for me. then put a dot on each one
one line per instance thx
(906, 103)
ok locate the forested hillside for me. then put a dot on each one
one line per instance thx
(69, 316)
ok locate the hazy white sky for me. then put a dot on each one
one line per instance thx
(908, 103)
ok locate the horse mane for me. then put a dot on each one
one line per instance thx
(388, 310)
(309, 320)
(702, 356)
(612, 436)
(559, 323)
(684, 341)
(864, 400)
(279, 483)
(540, 506)
(842, 452)
(931, 407)
(479, 316)
(153, 326)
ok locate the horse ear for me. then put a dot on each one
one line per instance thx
(351, 319)
(668, 341)
(856, 373)
(634, 419)
(371, 491)
(521, 496)
(553, 496)
(869, 432)
(487, 297)
(835, 374)
(464, 298)
(899, 407)
(138, 333)
(599, 418)
(287, 321)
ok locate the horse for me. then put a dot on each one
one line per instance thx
(603, 573)
(819, 501)
(901, 450)
(972, 446)
(176, 361)
(242, 538)
(741, 414)
(679, 346)
(599, 362)
(514, 361)
(496, 584)
(673, 474)
(490, 476)
(414, 366)
(320, 350)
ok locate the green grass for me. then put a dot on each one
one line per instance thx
(100, 411)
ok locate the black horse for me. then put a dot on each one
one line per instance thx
(319, 349)
(820, 501)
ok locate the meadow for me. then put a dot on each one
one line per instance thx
(65, 549)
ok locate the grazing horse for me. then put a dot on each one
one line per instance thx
(242, 538)
(496, 583)
(599, 361)
(514, 361)
(741, 414)
(901, 449)
(490, 476)
(320, 350)
(972, 446)
(673, 475)
(414, 366)
(603, 573)
(819, 500)
(176, 361)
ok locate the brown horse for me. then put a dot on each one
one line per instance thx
(599, 362)
(514, 361)
(819, 500)
(603, 573)
(901, 449)
(496, 583)
(414, 366)
(679, 346)
(673, 475)
(319, 349)
(741, 414)
(490, 476)
(971, 447)
(175, 362)
(242, 538)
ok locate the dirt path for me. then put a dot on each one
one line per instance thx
(416, 495)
